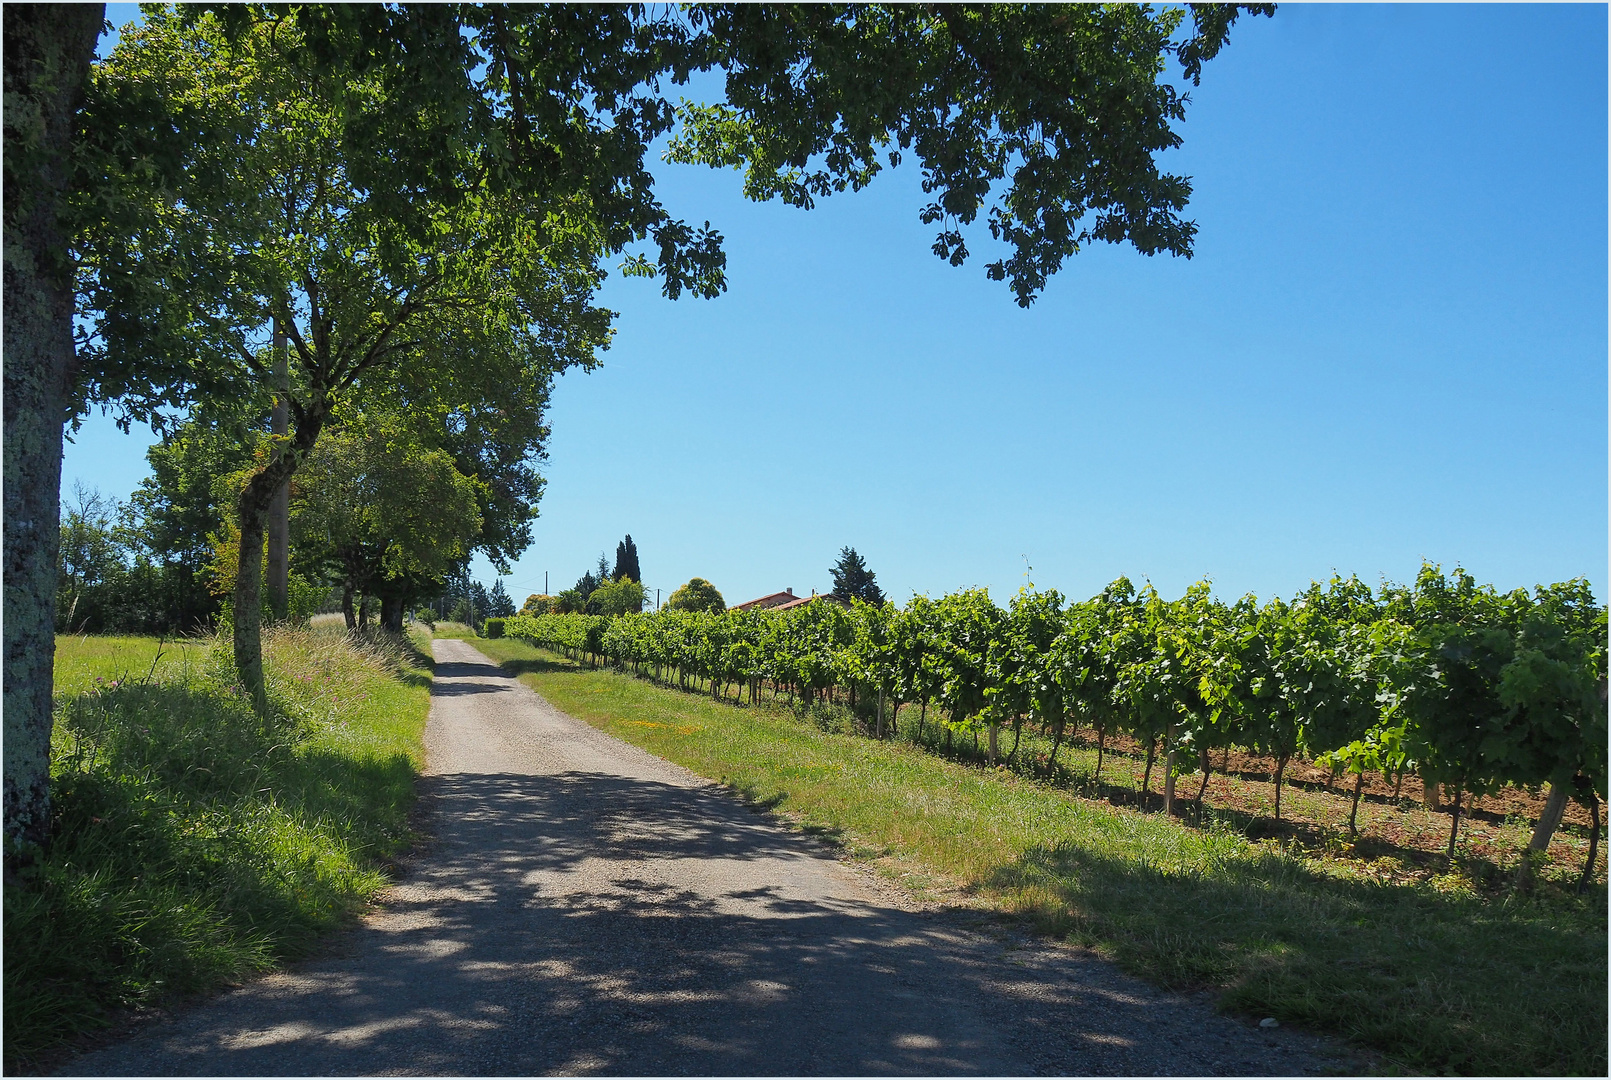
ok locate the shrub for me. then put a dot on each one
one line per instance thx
(493, 627)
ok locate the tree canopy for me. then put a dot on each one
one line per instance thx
(852, 579)
(696, 594)
(626, 560)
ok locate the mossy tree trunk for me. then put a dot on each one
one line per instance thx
(48, 49)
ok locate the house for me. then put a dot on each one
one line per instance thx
(781, 601)
(777, 599)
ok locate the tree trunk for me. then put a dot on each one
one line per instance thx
(1017, 734)
(1353, 813)
(48, 49)
(1057, 739)
(1146, 776)
(1280, 768)
(346, 608)
(1454, 827)
(922, 714)
(1203, 790)
(251, 511)
(279, 512)
(1398, 784)
(993, 730)
(880, 712)
(1101, 745)
(1594, 844)
(391, 613)
(1548, 822)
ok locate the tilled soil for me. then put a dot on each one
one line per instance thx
(585, 907)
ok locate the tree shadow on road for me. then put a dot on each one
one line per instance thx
(591, 922)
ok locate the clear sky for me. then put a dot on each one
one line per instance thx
(1391, 345)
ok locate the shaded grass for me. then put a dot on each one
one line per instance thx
(194, 843)
(1430, 972)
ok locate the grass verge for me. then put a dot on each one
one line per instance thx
(1432, 973)
(193, 843)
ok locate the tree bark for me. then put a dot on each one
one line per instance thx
(391, 613)
(48, 50)
(1203, 789)
(251, 514)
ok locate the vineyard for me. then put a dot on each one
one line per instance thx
(1468, 691)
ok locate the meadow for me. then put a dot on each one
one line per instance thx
(193, 842)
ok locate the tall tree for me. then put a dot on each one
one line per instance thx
(48, 49)
(626, 561)
(459, 285)
(499, 606)
(853, 581)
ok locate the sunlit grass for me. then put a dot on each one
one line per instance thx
(194, 843)
(1429, 972)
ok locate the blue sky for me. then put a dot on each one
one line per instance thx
(1390, 345)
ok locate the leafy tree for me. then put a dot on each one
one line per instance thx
(696, 595)
(626, 561)
(92, 554)
(853, 581)
(390, 516)
(619, 597)
(498, 603)
(537, 604)
(481, 288)
(181, 506)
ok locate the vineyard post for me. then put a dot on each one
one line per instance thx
(1169, 771)
(1548, 822)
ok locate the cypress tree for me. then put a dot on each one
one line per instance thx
(626, 561)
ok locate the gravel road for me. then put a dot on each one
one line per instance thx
(586, 907)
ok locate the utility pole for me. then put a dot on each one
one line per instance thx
(545, 582)
(279, 512)
(657, 599)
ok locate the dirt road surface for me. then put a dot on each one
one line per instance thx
(585, 907)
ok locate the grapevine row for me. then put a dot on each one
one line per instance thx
(1468, 687)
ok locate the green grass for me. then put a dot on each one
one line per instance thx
(193, 843)
(1433, 974)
